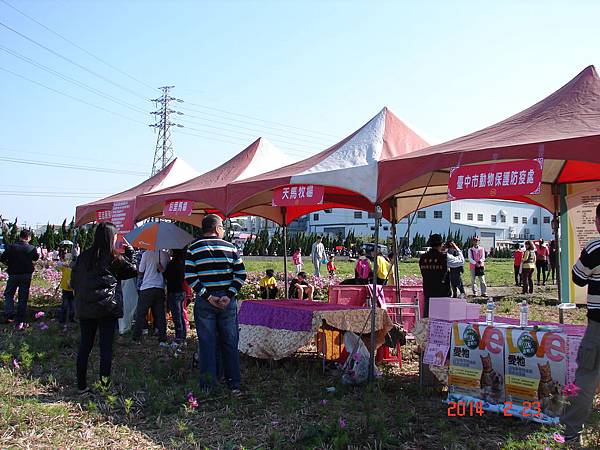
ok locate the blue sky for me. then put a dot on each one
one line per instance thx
(447, 68)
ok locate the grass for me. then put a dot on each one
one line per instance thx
(285, 405)
(499, 272)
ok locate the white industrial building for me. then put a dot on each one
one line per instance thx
(494, 221)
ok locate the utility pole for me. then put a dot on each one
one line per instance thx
(163, 153)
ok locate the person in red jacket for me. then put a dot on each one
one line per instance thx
(331, 266)
(518, 257)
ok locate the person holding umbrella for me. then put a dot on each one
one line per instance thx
(155, 236)
(152, 293)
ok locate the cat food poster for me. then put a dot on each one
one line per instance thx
(477, 362)
(536, 369)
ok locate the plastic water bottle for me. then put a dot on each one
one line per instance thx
(524, 313)
(489, 312)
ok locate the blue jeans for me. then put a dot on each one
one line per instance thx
(22, 282)
(218, 336)
(176, 300)
(67, 309)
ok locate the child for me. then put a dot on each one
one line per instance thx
(268, 285)
(331, 266)
(300, 288)
(362, 270)
(297, 259)
(67, 310)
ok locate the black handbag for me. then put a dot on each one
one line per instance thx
(479, 271)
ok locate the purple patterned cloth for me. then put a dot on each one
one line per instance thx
(293, 315)
(568, 329)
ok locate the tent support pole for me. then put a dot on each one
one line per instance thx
(285, 252)
(374, 296)
(395, 250)
(556, 231)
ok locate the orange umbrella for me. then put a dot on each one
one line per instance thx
(158, 236)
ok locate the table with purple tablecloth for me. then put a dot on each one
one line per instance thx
(275, 329)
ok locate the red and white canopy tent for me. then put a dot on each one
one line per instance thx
(176, 172)
(207, 192)
(349, 172)
(563, 129)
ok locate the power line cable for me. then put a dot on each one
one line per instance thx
(273, 139)
(97, 58)
(72, 166)
(238, 143)
(79, 158)
(47, 195)
(244, 128)
(71, 96)
(72, 80)
(69, 60)
(260, 120)
(236, 121)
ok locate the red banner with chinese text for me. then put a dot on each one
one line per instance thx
(298, 195)
(178, 208)
(502, 179)
(122, 216)
(103, 215)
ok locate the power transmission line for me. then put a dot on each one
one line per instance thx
(79, 158)
(210, 137)
(52, 195)
(97, 58)
(71, 166)
(254, 136)
(69, 60)
(254, 130)
(72, 80)
(237, 121)
(259, 119)
(70, 96)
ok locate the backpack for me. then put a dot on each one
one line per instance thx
(363, 268)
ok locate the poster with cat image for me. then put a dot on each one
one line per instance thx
(536, 369)
(476, 370)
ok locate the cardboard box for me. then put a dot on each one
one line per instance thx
(448, 308)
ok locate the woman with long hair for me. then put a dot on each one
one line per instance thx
(94, 279)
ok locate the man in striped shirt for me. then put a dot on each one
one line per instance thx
(216, 273)
(587, 377)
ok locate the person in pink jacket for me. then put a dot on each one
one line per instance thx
(477, 263)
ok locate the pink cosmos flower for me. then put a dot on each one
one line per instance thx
(43, 326)
(571, 390)
(323, 402)
(193, 401)
(39, 314)
(16, 364)
(342, 423)
(559, 438)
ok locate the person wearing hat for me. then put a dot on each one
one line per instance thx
(434, 270)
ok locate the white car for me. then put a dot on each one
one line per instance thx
(422, 251)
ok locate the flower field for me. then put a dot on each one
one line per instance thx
(291, 404)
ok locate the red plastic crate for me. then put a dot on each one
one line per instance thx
(348, 295)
